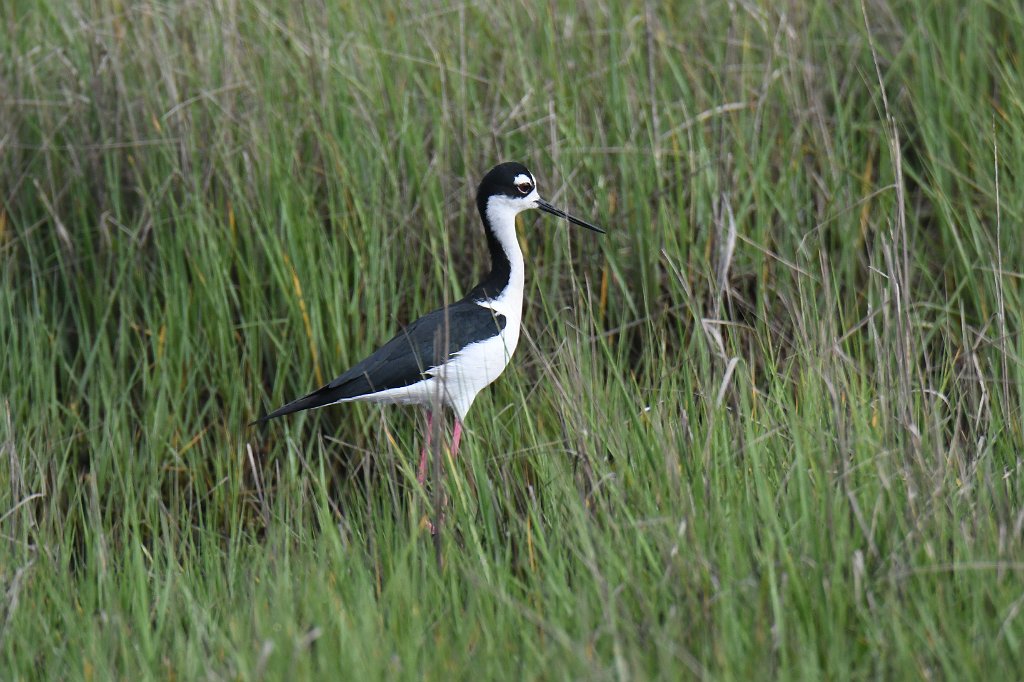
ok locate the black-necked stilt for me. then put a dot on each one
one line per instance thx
(447, 356)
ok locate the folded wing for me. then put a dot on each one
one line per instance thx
(407, 358)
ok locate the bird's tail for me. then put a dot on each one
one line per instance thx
(318, 398)
(262, 419)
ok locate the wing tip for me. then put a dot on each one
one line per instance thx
(262, 420)
(317, 398)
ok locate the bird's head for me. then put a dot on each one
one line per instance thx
(510, 187)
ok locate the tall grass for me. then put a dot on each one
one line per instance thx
(769, 427)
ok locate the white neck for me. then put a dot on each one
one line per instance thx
(501, 214)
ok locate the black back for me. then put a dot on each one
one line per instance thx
(406, 358)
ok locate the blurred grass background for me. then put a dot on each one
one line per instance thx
(768, 427)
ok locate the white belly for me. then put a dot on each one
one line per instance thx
(475, 367)
(457, 382)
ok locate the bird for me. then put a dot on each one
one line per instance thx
(445, 358)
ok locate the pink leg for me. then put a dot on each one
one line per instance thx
(422, 474)
(456, 437)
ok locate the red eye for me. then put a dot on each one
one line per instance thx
(524, 187)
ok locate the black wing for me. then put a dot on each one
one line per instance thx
(407, 357)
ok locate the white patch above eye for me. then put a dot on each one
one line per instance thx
(522, 178)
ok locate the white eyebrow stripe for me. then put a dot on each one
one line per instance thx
(521, 178)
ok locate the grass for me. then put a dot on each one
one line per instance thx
(768, 427)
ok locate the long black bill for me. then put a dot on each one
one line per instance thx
(548, 208)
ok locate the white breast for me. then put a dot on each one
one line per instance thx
(458, 381)
(478, 365)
